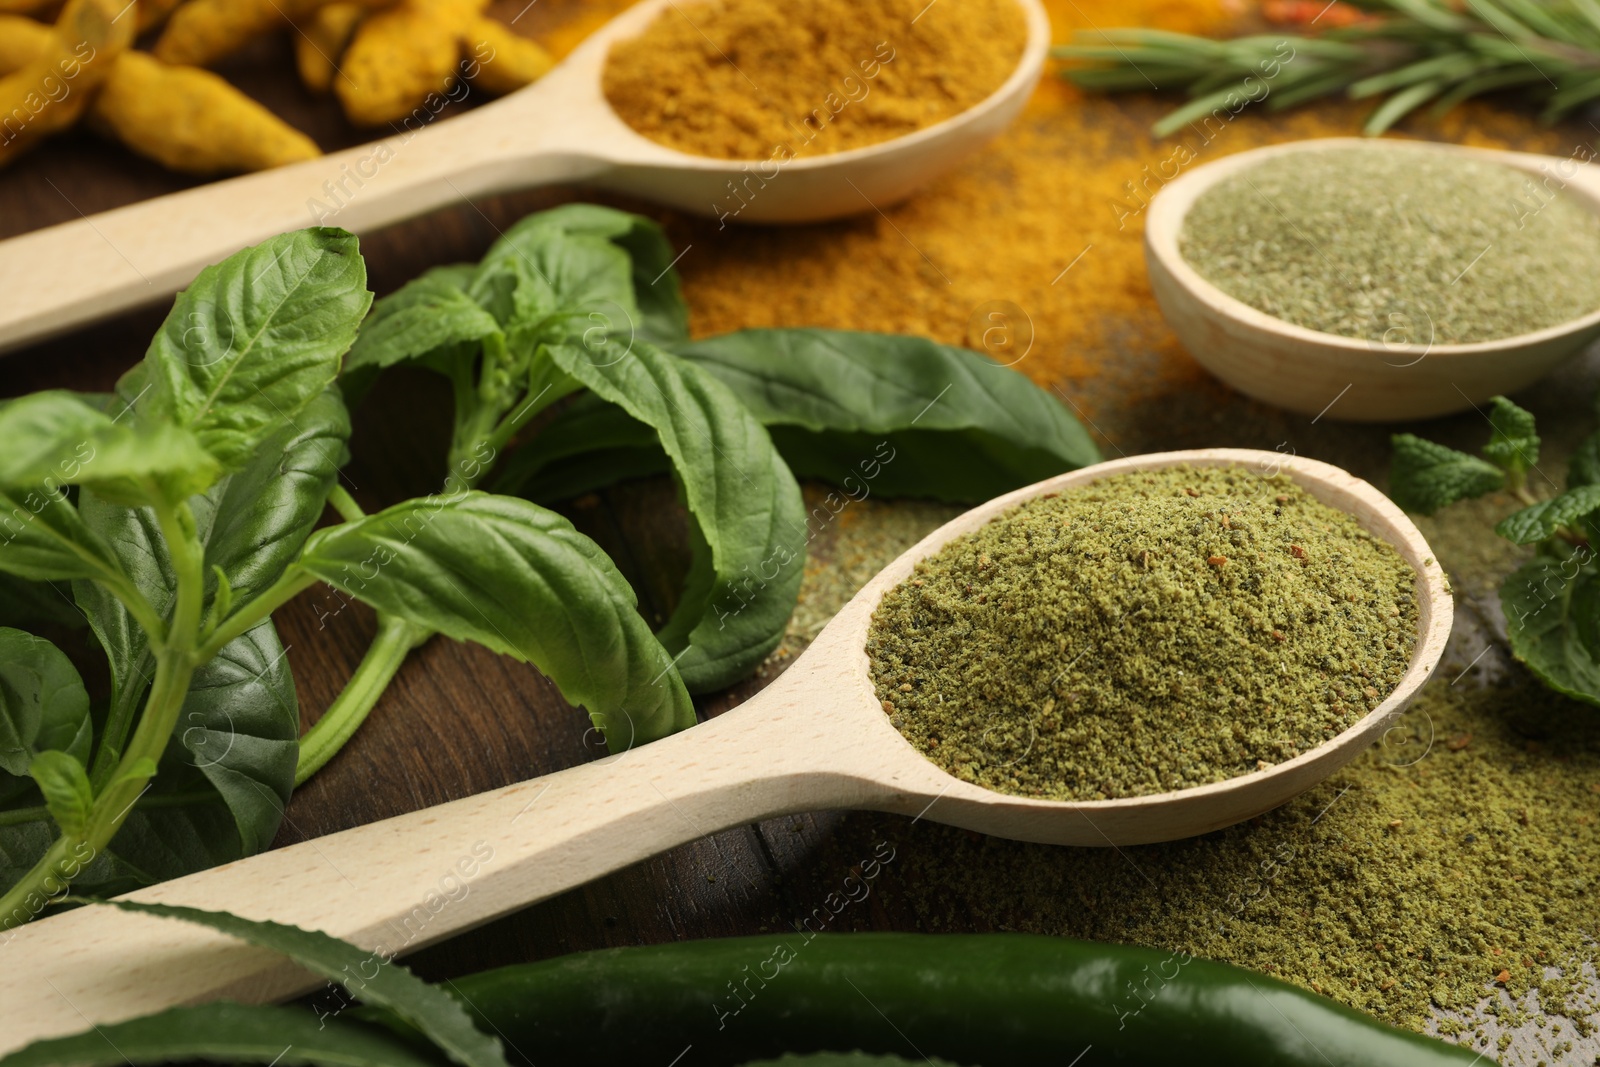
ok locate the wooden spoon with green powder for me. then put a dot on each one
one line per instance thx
(1379, 280)
(818, 737)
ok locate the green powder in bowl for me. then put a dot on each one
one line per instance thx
(1388, 241)
(1150, 631)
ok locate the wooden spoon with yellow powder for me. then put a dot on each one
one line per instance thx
(562, 129)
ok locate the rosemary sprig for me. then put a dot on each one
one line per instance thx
(1409, 51)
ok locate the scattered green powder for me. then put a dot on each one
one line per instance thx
(1398, 245)
(1463, 846)
(1365, 888)
(1150, 631)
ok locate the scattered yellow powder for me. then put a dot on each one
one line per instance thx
(765, 79)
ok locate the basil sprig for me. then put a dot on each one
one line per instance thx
(176, 515)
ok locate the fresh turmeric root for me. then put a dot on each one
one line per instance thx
(192, 120)
(201, 32)
(321, 40)
(50, 90)
(506, 60)
(187, 119)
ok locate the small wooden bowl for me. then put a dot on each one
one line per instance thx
(1348, 378)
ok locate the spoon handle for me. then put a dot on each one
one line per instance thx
(77, 272)
(403, 883)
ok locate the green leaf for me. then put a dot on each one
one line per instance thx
(1552, 609)
(222, 784)
(256, 338)
(1539, 522)
(429, 313)
(1513, 446)
(43, 538)
(591, 444)
(43, 704)
(520, 580)
(439, 1016)
(749, 519)
(224, 1033)
(568, 255)
(1584, 467)
(47, 436)
(256, 521)
(65, 787)
(239, 732)
(59, 439)
(227, 775)
(1424, 476)
(958, 426)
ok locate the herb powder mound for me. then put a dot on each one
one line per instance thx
(1151, 631)
(1397, 245)
(770, 80)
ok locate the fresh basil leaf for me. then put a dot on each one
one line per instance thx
(591, 444)
(582, 259)
(1552, 609)
(1584, 467)
(225, 1033)
(221, 787)
(663, 313)
(256, 521)
(251, 524)
(46, 435)
(520, 580)
(1424, 476)
(141, 553)
(1537, 522)
(433, 1012)
(43, 707)
(749, 518)
(239, 731)
(43, 538)
(428, 313)
(59, 439)
(256, 338)
(224, 781)
(537, 270)
(1514, 444)
(64, 784)
(957, 426)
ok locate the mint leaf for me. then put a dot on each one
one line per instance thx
(1424, 476)
(1514, 446)
(1540, 521)
(1584, 467)
(1552, 609)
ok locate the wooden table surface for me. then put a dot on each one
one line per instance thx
(459, 719)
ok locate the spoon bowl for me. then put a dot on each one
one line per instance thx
(816, 738)
(558, 130)
(1405, 375)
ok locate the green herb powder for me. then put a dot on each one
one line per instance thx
(1150, 631)
(1398, 245)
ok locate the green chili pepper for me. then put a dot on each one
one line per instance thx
(993, 999)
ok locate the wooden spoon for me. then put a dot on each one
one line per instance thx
(816, 738)
(560, 129)
(1405, 375)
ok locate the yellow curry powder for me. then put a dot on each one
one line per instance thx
(773, 79)
(1031, 251)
